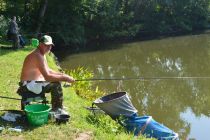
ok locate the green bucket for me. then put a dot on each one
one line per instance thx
(34, 42)
(37, 114)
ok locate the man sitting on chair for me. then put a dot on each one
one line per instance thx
(37, 77)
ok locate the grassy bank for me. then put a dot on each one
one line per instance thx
(82, 121)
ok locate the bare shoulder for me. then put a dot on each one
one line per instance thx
(37, 55)
(34, 57)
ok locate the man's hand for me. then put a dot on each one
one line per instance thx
(69, 79)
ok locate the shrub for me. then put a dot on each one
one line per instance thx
(3, 26)
(84, 88)
(105, 123)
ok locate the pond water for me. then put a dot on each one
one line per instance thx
(181, 104)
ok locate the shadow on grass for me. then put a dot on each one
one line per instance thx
(92, 119)
(8, 49)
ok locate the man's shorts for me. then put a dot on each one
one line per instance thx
(34, 86)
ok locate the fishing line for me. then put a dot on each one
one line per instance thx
(129, 78)
(140, 78)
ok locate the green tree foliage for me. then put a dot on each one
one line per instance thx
(110, 19)
(11, 8)
(65, 18)
(3, 26)
(162, 16)
(76, 22)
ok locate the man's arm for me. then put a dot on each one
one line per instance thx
(50, 75)
(54, 72)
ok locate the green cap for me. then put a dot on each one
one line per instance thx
(34, 42)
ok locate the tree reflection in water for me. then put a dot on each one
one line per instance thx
(164, 99)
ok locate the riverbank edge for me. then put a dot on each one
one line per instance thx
(96, 45)
(11, 62)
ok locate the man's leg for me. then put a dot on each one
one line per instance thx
(16, 41)
(56, 94)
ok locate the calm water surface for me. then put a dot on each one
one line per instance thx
(183, 105)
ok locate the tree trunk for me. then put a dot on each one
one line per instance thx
(41, 17)
(126, 7)
(25, 7)
(26, 13)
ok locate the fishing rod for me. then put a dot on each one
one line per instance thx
(129, 78)
(140, 78)
(9, 98)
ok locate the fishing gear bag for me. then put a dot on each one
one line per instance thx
(119, 107)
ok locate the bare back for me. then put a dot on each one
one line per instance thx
(30, 69)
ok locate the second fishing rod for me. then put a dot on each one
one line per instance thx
(143, 78)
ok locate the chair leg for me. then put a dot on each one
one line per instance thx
(45, 101)
(22, 105)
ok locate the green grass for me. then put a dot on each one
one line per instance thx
(99, 127)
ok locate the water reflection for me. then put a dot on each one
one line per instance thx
(197, 131)
(165, 99)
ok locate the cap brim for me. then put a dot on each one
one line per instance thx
(49, 44)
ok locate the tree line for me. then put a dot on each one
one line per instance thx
(76, 22)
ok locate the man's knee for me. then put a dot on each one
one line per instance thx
(56, 87)
(56, 83)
